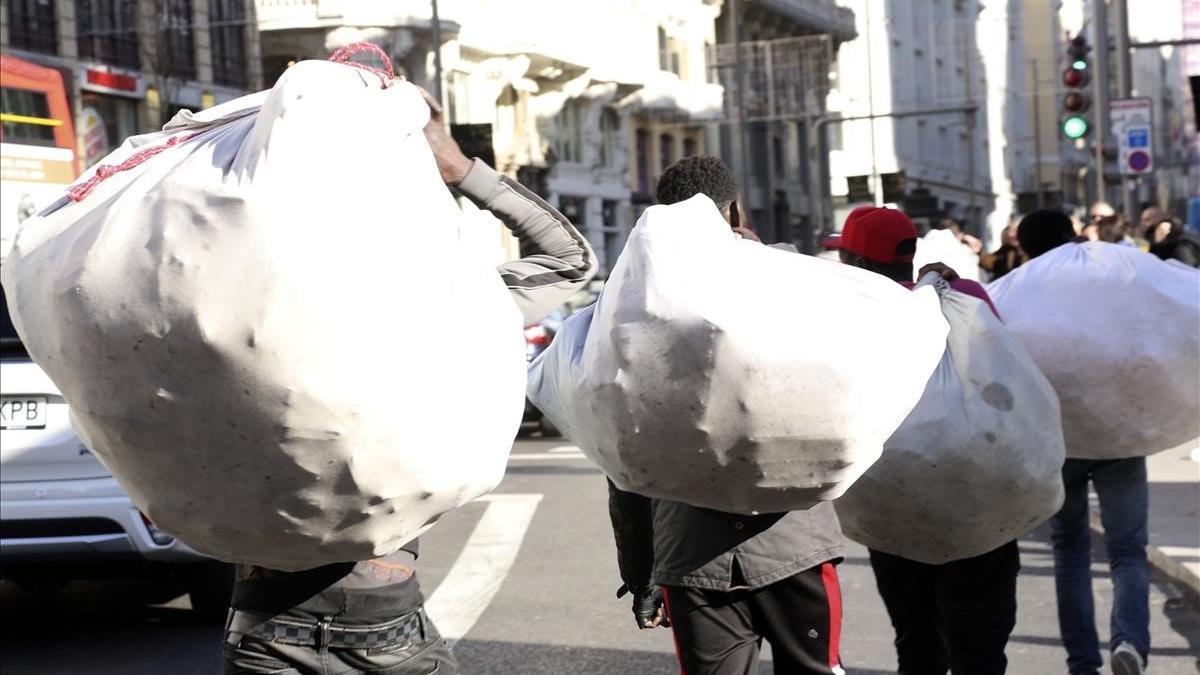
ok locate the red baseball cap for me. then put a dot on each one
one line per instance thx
(875, 233)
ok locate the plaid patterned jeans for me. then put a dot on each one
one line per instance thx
(408, 645)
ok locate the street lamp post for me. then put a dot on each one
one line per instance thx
(437, 52)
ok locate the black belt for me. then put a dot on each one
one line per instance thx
(323, 633)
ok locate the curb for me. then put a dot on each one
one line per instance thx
(1174, 570)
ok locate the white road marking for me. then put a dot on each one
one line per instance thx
(486, 559)
(567, 449)
(546, 456)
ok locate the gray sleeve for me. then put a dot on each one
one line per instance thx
(556, 260)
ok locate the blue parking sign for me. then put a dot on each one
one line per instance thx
(1138, 137)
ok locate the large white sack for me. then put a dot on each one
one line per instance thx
(977, 463)
(944, 247)
(1117, 332)
(726, 374)
(242, 325)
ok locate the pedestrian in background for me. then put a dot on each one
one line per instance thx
(1006, 258)
(1170, 240)
(1123, 493)
(722, 581)
(957, 615)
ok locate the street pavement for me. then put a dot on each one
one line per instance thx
(526, 578)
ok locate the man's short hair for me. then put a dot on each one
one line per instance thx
(691, 176)
(1044, 230)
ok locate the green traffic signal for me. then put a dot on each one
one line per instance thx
(1079, 64)
(1075, 127)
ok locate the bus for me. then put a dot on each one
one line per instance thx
(37, 143)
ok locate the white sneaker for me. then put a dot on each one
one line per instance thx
(1127, 661)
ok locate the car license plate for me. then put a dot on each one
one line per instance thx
(23, 412)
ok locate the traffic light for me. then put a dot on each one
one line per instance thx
(1075, 78)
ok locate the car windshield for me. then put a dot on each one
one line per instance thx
(10, 343)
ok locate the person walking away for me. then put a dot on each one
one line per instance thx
(1170, 240)
(956, 616)
(368, 616)
(1123, 494)
(724, 582)
(1006, 258)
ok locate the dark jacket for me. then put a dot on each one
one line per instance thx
(1179, 245)
(674, 544)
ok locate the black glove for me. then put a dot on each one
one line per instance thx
(648, 611)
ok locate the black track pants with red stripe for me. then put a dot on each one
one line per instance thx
(721, 632)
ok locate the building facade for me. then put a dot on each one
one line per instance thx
(776, 88)
(923, 96)
(129, 65)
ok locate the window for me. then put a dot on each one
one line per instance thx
(778, 155)
(32, 25)
(664, 50)
(612, 249)
(573, 209)
(608, 213)
(106, 30)
(689, 147)
(116, 120)
(177, 49)
(227, 33)
(570, 132)
(25, 103)
(610, 129)
(642, 149)
(668, 52)
(666, 151)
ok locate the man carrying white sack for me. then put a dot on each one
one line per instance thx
(957, 615)
(367, 616)
(1123, 493)
(723, 581)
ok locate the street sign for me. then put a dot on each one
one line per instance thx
(1133, 125)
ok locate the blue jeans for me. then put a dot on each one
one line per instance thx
(1121, 486)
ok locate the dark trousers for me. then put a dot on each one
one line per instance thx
(956, 616)
(721, 632)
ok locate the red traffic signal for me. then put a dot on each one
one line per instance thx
(1075, 102)
(1075, 78)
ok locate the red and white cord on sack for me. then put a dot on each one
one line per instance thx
(344, 55)
(104, 171)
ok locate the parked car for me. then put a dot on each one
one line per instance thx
(538, 337)
(62, 514)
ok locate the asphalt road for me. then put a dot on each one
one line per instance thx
(529, 580)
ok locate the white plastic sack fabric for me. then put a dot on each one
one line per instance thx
(977, 463)
(730, 375)
(942, 246)
(257, 333)
(1117, 332)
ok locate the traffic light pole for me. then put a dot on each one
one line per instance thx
(1100, 40)
(1125, 90)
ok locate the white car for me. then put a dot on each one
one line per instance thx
(62, 514)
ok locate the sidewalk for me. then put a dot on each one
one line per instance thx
(1174, 516)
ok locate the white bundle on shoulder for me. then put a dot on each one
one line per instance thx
(230, 309)
(1117, 332)
(726, 374)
